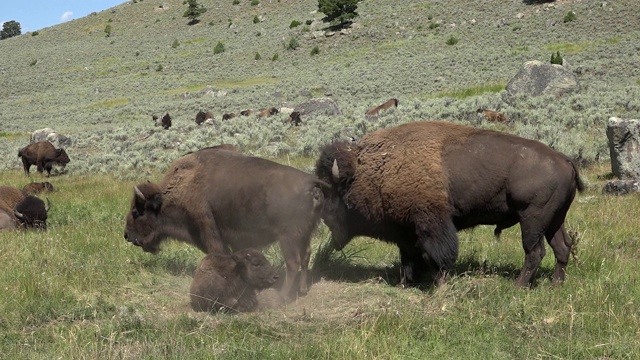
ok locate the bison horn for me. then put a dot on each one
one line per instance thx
(46, 209)
(335, 171)
(18, 214)
(139, 193)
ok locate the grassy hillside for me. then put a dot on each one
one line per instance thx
(101, 91)
(80, 290)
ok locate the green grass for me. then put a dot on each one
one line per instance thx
(471, 91)
(80, 290)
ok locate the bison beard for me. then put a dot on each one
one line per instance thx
(417, 184)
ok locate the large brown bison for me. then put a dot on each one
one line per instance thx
(374, 111)
(38, 187)
(417, 184)
(266, 112)
(229, 282)
(42, 154)
(22, 209)
(202, 116)
(218, 200)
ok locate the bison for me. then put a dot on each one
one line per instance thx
(166, 121)
(42, 154)
(202, 116)
(263, 113)
(417, 184)
(294, 118)
(376, 110)
(228, 116)
(230, 282)
(38, 187)
(247, 112)
(493, 116)
(22, 209)
(218, 199)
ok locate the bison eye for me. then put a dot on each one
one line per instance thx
(135, 213)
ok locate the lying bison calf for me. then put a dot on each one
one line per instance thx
(42, 154)
(230, 282)
(218, 199)
(38, 187)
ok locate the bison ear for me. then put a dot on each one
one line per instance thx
(154, 202)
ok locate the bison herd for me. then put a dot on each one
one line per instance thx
(414, 185)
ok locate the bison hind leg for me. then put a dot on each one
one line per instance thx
(561, 244)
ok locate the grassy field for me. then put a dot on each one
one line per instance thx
(80, 290)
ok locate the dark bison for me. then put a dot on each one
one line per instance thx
(263, 113)
(376, 110)
(42, 154)
(247, 112)
(228, 116)
(202, 116)
(38, 187)
(294, 118)
(230, 281)
(218, 199)
(417, 184)
(166, 121)
(493, 116)
(23, 210)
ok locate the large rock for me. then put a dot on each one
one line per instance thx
(48, 134)
(537, 78)
(620, 187)
(319, 106)
(624, 147)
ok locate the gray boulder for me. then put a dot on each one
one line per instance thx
(624, 147)
(48, 134)
(620, 187)
(319, 106)
(537, 78)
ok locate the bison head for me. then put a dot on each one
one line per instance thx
(62, 157)
(254, 268)
(143, 218)
(32, 212)
(336, 166)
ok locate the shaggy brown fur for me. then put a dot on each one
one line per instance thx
(493, 116)
(376, 110)
(166, 121)
(228, 116)
(38, 187)
(224, 282)
(247, 112)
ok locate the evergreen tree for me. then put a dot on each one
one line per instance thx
(341, 10)
(10, 29)
(194, 11)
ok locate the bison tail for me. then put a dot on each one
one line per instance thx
(579, 182)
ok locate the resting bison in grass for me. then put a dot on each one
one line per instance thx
(38, 187)
(417, 184)
(376, 110)
(202, 116)
(493, 116)
(231, 281)
(228, 116)
(247, 112)
(42, 154)
(218, 199)
(263, 113)
(24, 211)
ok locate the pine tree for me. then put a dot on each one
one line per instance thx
(194, 11)
(341, 10)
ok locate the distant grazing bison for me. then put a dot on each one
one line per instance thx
(376, 110)
(267, 112)
(417, 184)
(247, 112)
(166, 121)
(42, 154)
(202, 116)
(493, 116)
(294, 118)
(18, 209)
(38, 187)
(228, 116)
(230, 282)
(218, 200)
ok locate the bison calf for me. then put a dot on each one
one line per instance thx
(42, 154)
(230, 281)
(493, 116)
(38, 187)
